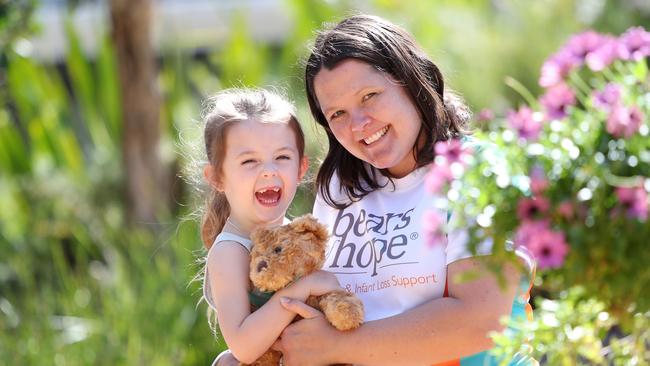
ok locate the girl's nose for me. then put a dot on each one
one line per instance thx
(269, 171)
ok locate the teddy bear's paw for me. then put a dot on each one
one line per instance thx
(342, 309)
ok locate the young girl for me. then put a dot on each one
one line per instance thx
(255, 148)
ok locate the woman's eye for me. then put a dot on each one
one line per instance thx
(368, 96)
(336, 115)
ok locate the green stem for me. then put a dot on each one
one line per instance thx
(521, 89)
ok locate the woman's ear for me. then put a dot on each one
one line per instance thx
(304, 166)
(212, 178)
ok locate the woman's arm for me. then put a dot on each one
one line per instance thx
(437, 331)
(247, 334)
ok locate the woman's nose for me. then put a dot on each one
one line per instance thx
(360, 121)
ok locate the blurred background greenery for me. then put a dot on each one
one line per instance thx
(94, 272)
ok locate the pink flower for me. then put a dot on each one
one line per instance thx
(452, 150)
(529, 229)
(565, 209)
(583, 44)
(438, 177)
(608, 98)
(624, 122)
(530, 208)
(557, 99)
(538, 181)
(549, 248)
(524, 121)
(433, 228)
(556, 68)
(635, 200)
(634, 44)
(604, 55)
(485, 115)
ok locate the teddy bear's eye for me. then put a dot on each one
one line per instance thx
(277, 250)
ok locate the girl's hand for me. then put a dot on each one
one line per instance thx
(321, 283)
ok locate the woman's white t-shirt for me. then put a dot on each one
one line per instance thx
(378, 249)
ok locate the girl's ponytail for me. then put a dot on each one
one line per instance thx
(217, 211)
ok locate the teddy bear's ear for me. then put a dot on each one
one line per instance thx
(308, 223)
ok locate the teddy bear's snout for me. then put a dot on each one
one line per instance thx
(262, 265)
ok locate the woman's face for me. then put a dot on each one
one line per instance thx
(370, 115)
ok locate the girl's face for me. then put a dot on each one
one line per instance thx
(260, 172)
(370, 115)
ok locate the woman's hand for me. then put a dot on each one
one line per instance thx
(308, 341)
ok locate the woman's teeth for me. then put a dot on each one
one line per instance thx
(376, 136)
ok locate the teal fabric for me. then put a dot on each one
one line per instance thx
(258, 298)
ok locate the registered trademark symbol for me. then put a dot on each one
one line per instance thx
(414, 236)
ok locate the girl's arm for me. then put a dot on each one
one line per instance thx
(247, 334)
(439, 330)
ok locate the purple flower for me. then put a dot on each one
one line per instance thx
(438, 177)
(634, 44)
(538, 181)
(556, 68)
(623, 121)
(531, 208)
(452, 151)
(526, 123)
(608, 98)
(604, 55)
(635, 200)
(433, 228)
(557, 99)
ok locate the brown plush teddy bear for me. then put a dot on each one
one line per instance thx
(284, 254)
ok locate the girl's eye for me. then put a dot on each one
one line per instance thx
(247, 161)
(284, 157)
(368, 96)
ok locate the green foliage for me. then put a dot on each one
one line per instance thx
(576, 329)
(78, 287)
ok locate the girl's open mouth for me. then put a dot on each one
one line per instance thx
(269, 196)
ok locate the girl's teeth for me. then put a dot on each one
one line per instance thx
(376, 136)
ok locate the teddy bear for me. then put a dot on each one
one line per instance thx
(284, 254)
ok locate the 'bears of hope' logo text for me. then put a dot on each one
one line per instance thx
(370, 252)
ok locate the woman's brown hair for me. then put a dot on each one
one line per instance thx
(392, 50)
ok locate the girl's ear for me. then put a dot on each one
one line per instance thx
(212, 178)
(304, 165)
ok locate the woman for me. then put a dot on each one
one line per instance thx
(383, 104)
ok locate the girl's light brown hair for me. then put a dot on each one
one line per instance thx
(223, 110)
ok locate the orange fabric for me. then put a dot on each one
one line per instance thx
(448, 363)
